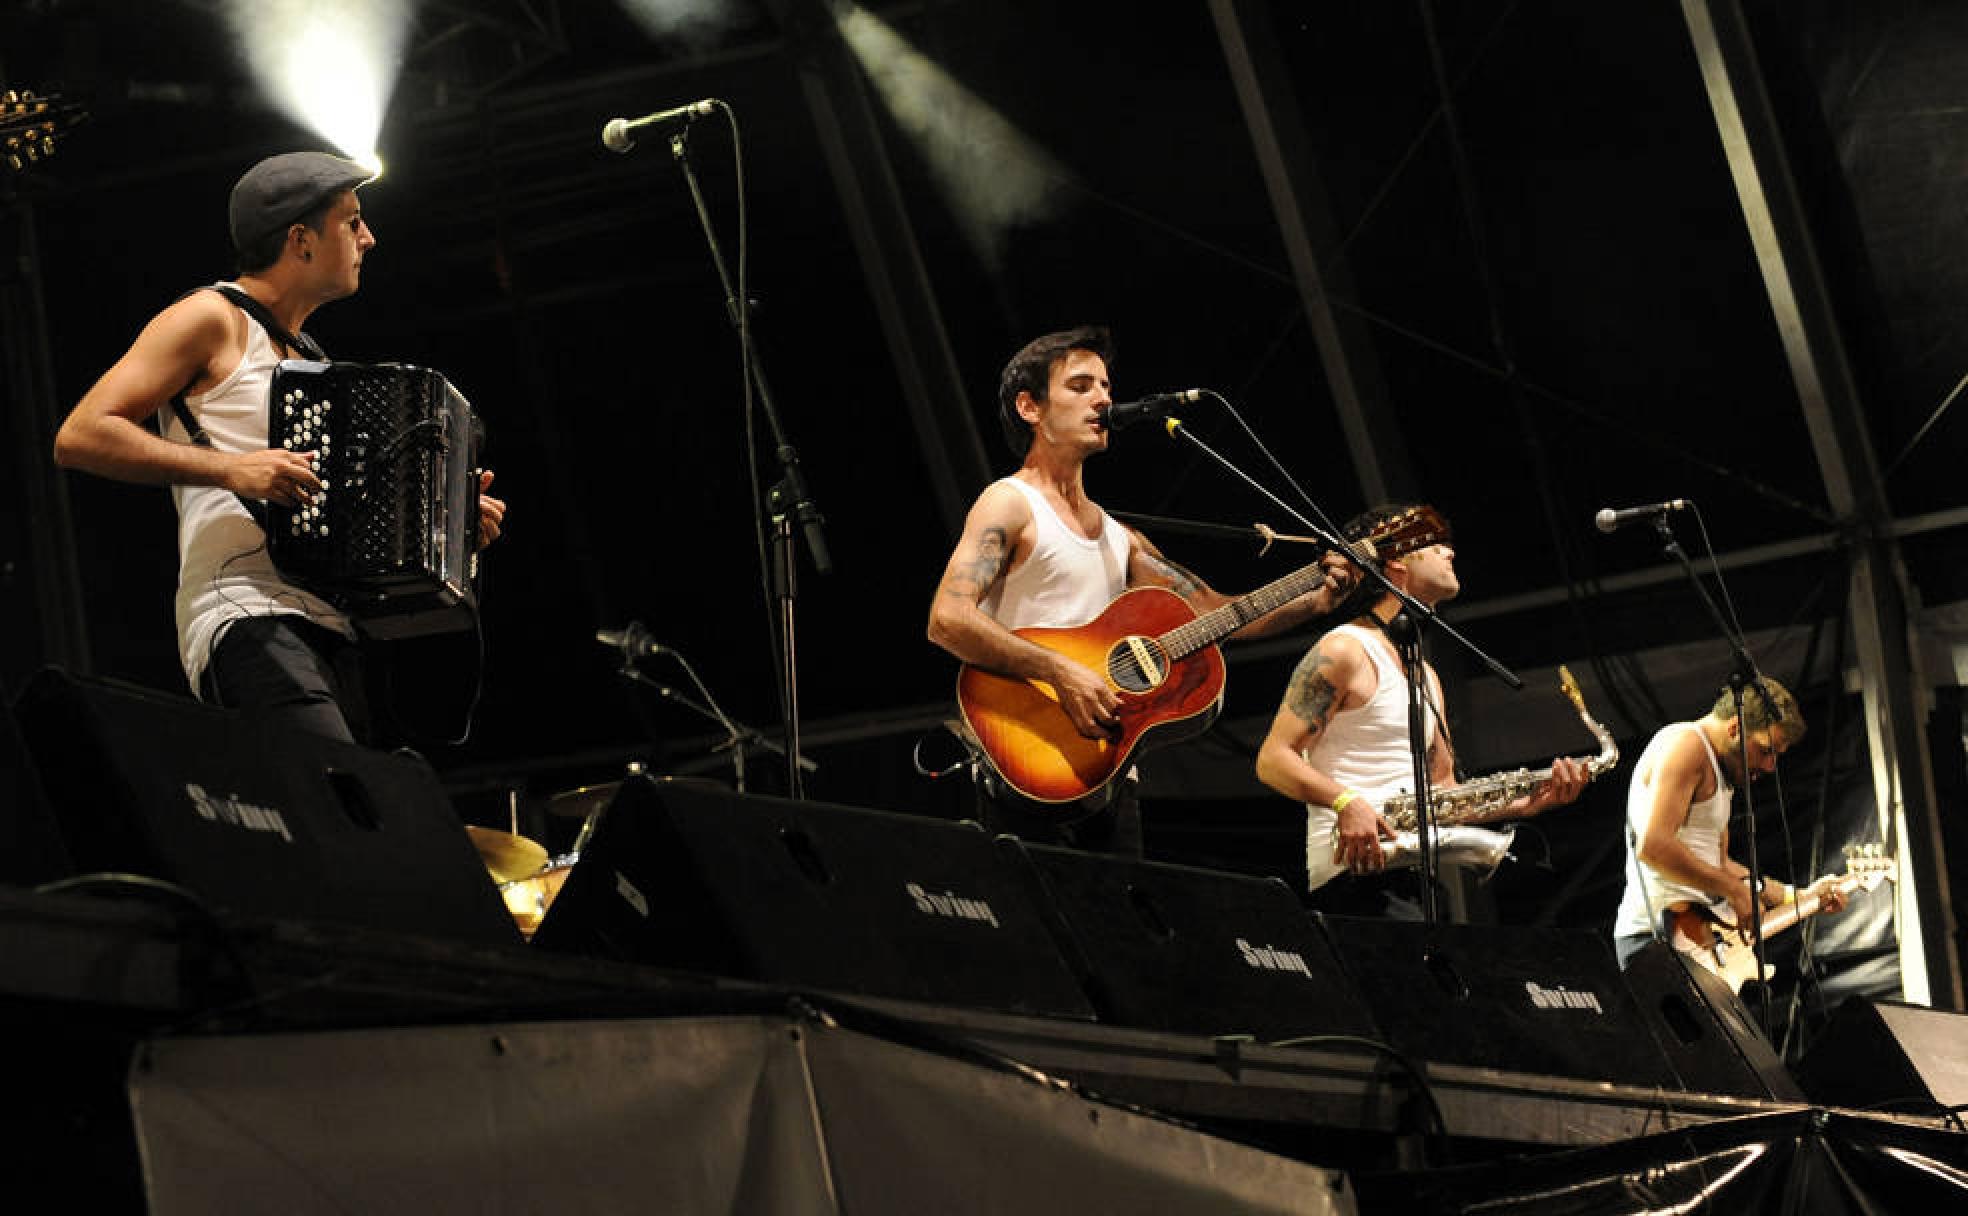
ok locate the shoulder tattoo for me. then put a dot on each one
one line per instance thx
(970, 579)
(1311, 694)
(1180, 581)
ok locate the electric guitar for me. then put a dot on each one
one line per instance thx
(29, 124)
(1707, 934)
(1161, 660)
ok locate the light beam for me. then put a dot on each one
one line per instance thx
(992, 176)
(329, 67)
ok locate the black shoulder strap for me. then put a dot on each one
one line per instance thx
(258, 311)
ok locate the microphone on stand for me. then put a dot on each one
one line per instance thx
(1609, 519)
(1127, 413)
(619, 133)
(632, 640)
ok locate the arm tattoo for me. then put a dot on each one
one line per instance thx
(1180, 581)
(1311, 694)
(972, 580)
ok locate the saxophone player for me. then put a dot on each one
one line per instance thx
(1340, 741)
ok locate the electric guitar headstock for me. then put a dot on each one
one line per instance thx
(29, 125)
(1868, 865)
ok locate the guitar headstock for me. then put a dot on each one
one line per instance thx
(1870, 864)
(29, 124)
(1414, 528)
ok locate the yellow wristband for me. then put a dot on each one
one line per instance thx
(1345, 796)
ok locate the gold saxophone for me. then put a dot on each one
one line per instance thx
(1485, 798)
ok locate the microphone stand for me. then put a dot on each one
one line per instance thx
(1742, 674)
(1418, 616)
(738, 736)
(634, 674)
(788, 500)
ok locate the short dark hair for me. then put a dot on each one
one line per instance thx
(1773, 707)
(264, 251)
(1030, 371)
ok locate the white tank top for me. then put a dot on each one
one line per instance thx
(1067, 578)
(224, 573)
(1702, 833)
(1364, 749)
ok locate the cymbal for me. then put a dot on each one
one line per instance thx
(506, 857)
(583, 802)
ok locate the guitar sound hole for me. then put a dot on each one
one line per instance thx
(1137, 664)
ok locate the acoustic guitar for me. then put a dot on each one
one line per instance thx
(1161, 660)
(1708, 934)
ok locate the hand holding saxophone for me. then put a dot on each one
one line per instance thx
(1568, 780)
(1358, 832)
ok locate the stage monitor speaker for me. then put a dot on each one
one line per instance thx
(253, 816)
(1166, 947)
(31, 851)
(1709, 1036)
(1889, 1056)
(690, 875)
(1548, 1001)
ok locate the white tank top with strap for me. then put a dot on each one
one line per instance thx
(224, 572)
(1067, 578)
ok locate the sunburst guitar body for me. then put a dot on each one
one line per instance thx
(1029, 740)
(1161, 660)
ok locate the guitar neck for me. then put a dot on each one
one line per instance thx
(1220, 623)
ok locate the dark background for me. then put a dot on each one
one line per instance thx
(1554, 272)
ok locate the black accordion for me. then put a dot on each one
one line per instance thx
(391, 536)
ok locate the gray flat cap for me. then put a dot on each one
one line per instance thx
(280, 190)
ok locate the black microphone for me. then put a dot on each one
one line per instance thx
(1127, 413)
(632, 640)
(1608, 519)
(619, 133)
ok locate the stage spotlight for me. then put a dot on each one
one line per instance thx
(693, 22)
(328, 67)
(993, 177)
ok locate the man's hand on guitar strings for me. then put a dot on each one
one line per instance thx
(1089, 701)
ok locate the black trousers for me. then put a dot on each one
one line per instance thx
(293, 670)
(1114, 829)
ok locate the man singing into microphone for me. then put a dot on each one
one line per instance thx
(1036, 551)
(248, 639)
